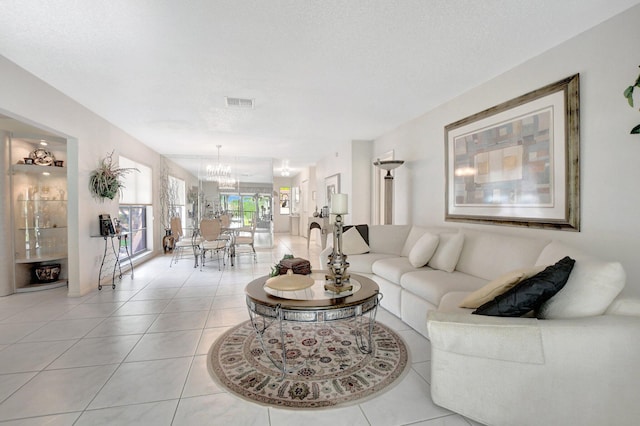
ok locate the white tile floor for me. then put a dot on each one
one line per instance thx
(137, 355)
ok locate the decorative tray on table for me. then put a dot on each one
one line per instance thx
(290, 282)
(305, 287)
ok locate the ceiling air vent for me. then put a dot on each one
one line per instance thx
(238, 102)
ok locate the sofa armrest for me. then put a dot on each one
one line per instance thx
(530, 340)
(625, 306)
(481, 368)
(506, 339)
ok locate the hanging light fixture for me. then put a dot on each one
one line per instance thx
(226, 183)
(218, 172)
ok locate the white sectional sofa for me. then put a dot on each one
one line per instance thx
(579, 366)
(410, 292)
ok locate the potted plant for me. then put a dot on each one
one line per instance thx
(628, 93)
(106, 180)
(168, 194)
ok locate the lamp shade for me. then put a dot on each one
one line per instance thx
(388, 164)
(339, 204)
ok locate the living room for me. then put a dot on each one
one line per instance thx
(607, 199)
(608, 152)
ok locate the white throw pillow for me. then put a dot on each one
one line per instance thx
(448, 252)
(589, 291)
(498, 286)
(423, 250)
(353, 243)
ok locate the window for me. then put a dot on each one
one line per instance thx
(244, 208)
(232, 203)
(138, 188)
(249, 212)
(133, 220)
(135, 207)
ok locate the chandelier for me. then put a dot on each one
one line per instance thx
(226, 183)
(220, 173)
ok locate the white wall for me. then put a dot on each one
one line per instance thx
(338, 162)
(610, 175)
(305, 180)
(32, 101)
(361, 175)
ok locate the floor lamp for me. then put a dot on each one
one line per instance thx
(388, 165)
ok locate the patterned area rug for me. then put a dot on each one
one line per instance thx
(325, 366)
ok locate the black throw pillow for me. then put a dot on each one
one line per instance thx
(363, 230)
(531, 293)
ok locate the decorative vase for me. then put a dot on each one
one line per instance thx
(168, 241)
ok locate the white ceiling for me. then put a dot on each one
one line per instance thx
(322, 73)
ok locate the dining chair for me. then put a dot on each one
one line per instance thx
(225, 227)
(210, 232)
(182, 242)
(244, 237)
(225, 220)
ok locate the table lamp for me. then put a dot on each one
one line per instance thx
(337, 280)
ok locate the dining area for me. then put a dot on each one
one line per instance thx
(219, 237)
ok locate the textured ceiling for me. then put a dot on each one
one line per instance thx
(322, 73)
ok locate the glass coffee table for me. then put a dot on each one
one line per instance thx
(268, 307)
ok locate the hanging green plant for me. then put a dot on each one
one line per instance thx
(628, 93)
(106, 180)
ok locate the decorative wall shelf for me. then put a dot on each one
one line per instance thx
(38, 211)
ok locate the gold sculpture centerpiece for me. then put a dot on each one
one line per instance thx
(337, 280)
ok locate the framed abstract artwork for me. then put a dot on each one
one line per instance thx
(518, 163)
(332, 186)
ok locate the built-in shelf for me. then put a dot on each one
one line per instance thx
(42, 286)
(42, 258)
(38, 210)
(42, 201)
(40, 227)
(35, 169)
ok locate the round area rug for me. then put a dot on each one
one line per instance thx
(325, 366)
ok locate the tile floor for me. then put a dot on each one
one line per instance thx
(137, 355)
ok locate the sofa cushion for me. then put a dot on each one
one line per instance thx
(498, 286)
(418, 231)
(448, 252)
(591, 288)
(491, 254)
(414, 235)
(423, 249)
(362, 263)
(392, 268)
(431, 284)
(556, 250)
(531, 293)
(355, 239)
(388, 239)
(452, 301)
